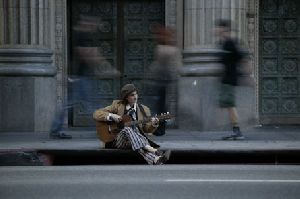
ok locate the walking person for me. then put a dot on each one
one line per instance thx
(132, 137)
(79, 81)
(167, 60)
(230, 57)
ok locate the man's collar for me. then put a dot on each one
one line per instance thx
(128, 107)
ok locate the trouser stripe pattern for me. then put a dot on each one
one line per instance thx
(129, 138)
(136, 140)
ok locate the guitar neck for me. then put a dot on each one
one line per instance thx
(138, 122)
(146, 120)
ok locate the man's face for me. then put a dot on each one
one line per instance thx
(132, 97)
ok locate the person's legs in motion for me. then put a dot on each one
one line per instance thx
(57, 124)
(161, 130)
(233, 116)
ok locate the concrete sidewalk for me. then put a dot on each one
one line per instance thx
(263, 145)
(257, 138)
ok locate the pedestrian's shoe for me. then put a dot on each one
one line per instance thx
(239, 137)
(230, 137)
(236, 130)
(233, 137)
(237, 134)
(60, 136)
(164, 158)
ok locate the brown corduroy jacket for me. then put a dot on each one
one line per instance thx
(118, 108)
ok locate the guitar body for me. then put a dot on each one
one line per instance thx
(107, 131)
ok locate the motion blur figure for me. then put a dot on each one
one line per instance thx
(167, 60)
(230, 57)
(85, 61)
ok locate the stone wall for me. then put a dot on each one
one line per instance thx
(200, 78)
(27, 73)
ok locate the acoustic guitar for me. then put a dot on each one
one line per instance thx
(107, 130)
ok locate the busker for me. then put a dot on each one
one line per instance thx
(131, 136)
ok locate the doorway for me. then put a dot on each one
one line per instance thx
(279, 75)
(123, 41)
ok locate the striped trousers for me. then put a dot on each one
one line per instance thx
(130, 138)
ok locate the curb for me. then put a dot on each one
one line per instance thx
(118, 157)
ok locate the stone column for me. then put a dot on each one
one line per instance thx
(201, 72)
(200, 16)
(27, 83)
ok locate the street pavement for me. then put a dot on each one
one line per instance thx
(280, 143)
(149, 182)
(257, 138)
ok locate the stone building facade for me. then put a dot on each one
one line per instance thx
(35, 59)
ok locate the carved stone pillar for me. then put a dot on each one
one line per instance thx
(200, 16)
(201, 71)
(27, 83)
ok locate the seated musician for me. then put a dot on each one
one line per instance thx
(132, 137)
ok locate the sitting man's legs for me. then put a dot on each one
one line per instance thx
(128, 138)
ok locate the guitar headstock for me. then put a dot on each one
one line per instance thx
(164, 116)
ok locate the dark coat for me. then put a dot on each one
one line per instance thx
(230, 58)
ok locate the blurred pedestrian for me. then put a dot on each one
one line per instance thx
(230, 57)
(165, 67)
(84, 60)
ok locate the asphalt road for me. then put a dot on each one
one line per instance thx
(142, 182)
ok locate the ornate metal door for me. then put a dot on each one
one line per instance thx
(279, 61)
(140, 18)
(124, 38)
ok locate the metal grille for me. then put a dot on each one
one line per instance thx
(125, 39)
(279, 61)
